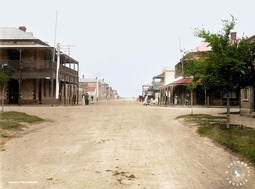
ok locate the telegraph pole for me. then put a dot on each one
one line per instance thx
(57, 71)
(181, 52)
(97, 86)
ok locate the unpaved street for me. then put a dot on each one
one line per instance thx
(113, 145)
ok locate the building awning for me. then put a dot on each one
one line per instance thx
(182, 81)
(90, 90)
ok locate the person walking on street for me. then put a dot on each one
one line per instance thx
(145, 102)
(86, 99)
(166, 100)
(83, 99)
(187, 100)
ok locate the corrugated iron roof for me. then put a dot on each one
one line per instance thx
(12, 33)
(26, 46)
(182, 81)
(15, 34)
(203, 48)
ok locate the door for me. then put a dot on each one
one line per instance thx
(13, 91)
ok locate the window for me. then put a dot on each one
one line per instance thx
(231, 95)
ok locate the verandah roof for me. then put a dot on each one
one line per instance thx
(181, 81)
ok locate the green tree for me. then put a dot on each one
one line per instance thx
(6, 73)
(227, 65)
(195, 68)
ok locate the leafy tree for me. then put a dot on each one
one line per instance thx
(5, 74)
(227, 66)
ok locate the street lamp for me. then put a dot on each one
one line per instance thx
(97, 85)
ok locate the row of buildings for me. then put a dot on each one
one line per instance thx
(43, 75)
(170, 88)
(97, 89)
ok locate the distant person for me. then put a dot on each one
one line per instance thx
(187, 100)
(175, 99)
(166, 100)
(86, 99)
(92, 98)
(74, 99)
(145, 102)
(83, 99)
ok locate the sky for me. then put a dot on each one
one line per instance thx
(125, 42)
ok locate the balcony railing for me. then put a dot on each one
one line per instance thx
(39, 66)
(28, 64)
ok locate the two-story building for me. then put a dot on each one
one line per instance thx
(178, 87)
(200, 96)
(36, 79)
(164, 94)
(155, 88)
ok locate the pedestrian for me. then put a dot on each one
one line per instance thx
(83, 99)
(175, 99)
(92, 98)
(145, 102)
(74, 99)
(86, 99)
(166, 100)
(187, 100)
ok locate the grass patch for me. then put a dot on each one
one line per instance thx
(13, 120)
(19, 117)
(238, 139)
(11, 124)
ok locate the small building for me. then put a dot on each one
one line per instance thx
(115, 94)
(36, 73)
(153, 90)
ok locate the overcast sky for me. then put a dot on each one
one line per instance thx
(126, 42)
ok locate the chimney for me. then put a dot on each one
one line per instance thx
(233, 36)
(23, 28)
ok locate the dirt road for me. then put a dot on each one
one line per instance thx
(113, 145)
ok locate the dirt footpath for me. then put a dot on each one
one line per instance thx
(113, 145)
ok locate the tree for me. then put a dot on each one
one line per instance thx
(194, 67)
(227, 65)
(5, 74)
(191, 86)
